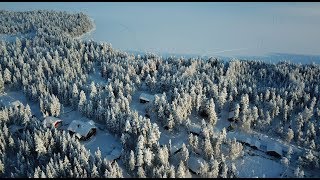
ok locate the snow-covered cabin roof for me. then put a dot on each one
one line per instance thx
(15, 103)
(91, 123)
(273, 147)
(80, 128)
(146, 97)
(194, 164)
(50, 120)
(194, 128)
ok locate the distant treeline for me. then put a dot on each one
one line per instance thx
(50, 21)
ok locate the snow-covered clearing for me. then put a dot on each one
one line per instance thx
(103, 140)
(256, 166)
(137, 106)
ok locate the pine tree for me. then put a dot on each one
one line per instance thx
(237, 111)
(208, 150)
(233, 171)
(236, 149)
(181, 170)
(93, 91)
(82, 101)
(148, 156)
(224, 170)
(171, 173)
(140, 159)
(141, 173)
(184, 153)
(222, 98)
(204, 168)
(298, 172)
(212, 112)
(214, 172)
(55, 106)
(132, 161)
(7, 76)
(163, 155)
(1, 84)
(75, 95)
(1, 168)
(94, 172)
(290, 135)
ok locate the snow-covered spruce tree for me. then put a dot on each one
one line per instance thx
(132, 161)
(236, 149)
(1, 84)
(7, 76)
(55, 106)
(182, 171)
(212, 112)
(75, 95)
(82, 101)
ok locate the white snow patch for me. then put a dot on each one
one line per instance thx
(256, 166)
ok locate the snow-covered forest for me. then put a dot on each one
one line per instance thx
(56, 70)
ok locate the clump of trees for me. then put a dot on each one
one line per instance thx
(51, 22)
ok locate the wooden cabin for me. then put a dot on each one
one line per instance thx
(51, 121)
(82, 130)
(145, 98)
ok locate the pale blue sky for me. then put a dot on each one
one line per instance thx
(200, 28)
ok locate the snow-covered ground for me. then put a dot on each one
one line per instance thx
(103, 140)
(257, 166)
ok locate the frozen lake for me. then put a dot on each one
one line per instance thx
(209, 29)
